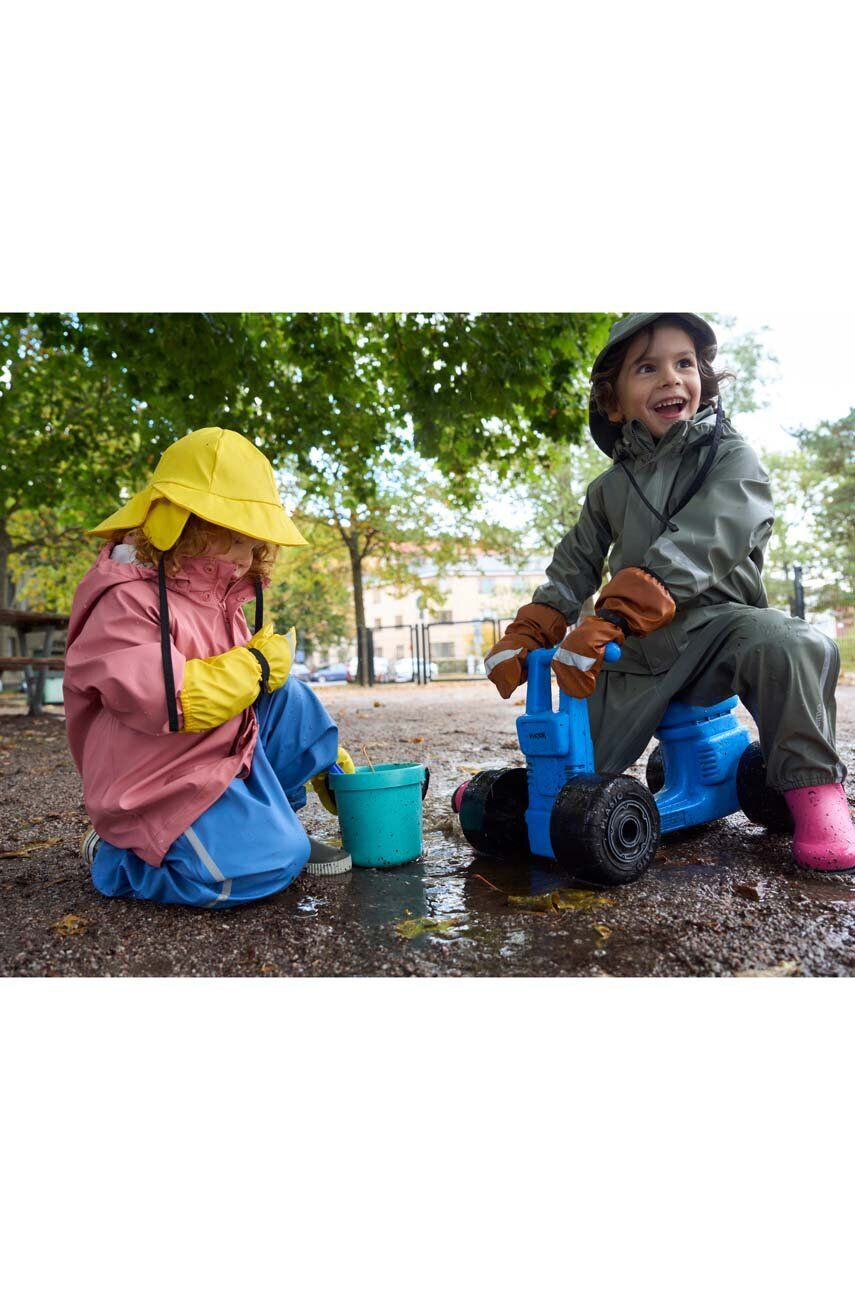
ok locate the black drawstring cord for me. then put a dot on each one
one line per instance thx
(166, 650)
(713, 440)
(666, 523)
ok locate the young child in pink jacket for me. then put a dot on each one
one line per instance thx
(193, 745)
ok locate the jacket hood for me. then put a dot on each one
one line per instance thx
(204, 573)
(604, 432)
(634, 440)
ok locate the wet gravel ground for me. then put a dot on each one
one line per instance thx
(718, 901)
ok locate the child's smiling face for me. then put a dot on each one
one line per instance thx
(659, 382)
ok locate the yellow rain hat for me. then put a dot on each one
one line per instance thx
(215, 474)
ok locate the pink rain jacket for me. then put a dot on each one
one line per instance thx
(142, 785)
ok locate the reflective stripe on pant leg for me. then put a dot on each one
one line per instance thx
(821, 714)
(213, 870)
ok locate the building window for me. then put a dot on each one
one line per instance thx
(444, 616)
(442, 649)
(376, 595)
(399, 651)
(486, 586)
(378, 622)
(399, 622)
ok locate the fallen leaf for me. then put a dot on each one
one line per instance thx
(751, 891)
(470, 769)
(412, 927)
(565, 898)
(417, 739)
(25, 851)
(378, 704)
(267, 969)
(573, 898)
(602, 930)
(70, 925)
(543, 903)
(787, 967)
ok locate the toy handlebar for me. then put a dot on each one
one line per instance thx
(536, 670)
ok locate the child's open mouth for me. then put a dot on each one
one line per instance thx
(670, 409)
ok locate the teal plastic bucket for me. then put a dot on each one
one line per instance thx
(380, 812)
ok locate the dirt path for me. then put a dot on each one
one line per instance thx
(722, 900)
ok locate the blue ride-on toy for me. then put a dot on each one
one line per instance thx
(605, 828)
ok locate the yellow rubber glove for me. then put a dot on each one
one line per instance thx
(279, 650)
(320, 783)
(217, 689)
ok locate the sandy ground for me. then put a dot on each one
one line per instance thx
(722, 900)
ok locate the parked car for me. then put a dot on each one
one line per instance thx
(381, 669)
(329, 675)
(300, 671)
(405, 669)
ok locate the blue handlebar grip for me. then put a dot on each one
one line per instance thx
(612, 652)
(538, 676)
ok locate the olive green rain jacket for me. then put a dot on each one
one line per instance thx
(708, 553)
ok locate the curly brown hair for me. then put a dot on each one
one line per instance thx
(197, 536)
(604, 383)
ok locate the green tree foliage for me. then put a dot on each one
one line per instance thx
(554, 481)
(87, 404)
(310, 589)
(814, 490)
(409, 536)
(746, 357)
(363, 401)
(89, 401)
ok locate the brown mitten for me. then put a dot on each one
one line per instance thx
(578, 660)
(633, 603)
(641, 600)
(535, 627)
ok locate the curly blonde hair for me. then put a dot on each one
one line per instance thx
(197, 536)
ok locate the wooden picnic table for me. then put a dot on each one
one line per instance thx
(34, 663)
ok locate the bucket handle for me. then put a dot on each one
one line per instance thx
(336, 770)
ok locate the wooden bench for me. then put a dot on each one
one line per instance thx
(33, 665)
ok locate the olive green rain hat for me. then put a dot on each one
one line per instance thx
(216, 474)
(606, 433)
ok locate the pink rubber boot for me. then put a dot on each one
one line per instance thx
(457, 796)
(825, 835)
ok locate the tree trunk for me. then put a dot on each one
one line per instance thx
(358, 606)
(5, 589)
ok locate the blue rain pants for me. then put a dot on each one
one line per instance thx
(249, 843)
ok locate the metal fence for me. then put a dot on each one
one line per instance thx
(443, 650)
(447, 649)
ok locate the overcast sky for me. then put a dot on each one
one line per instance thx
(815, 377)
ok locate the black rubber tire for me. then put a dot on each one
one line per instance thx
(762, 804)
(492, 813)
(605, 828)
(655, 770)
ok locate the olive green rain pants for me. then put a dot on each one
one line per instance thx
(782, 669)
